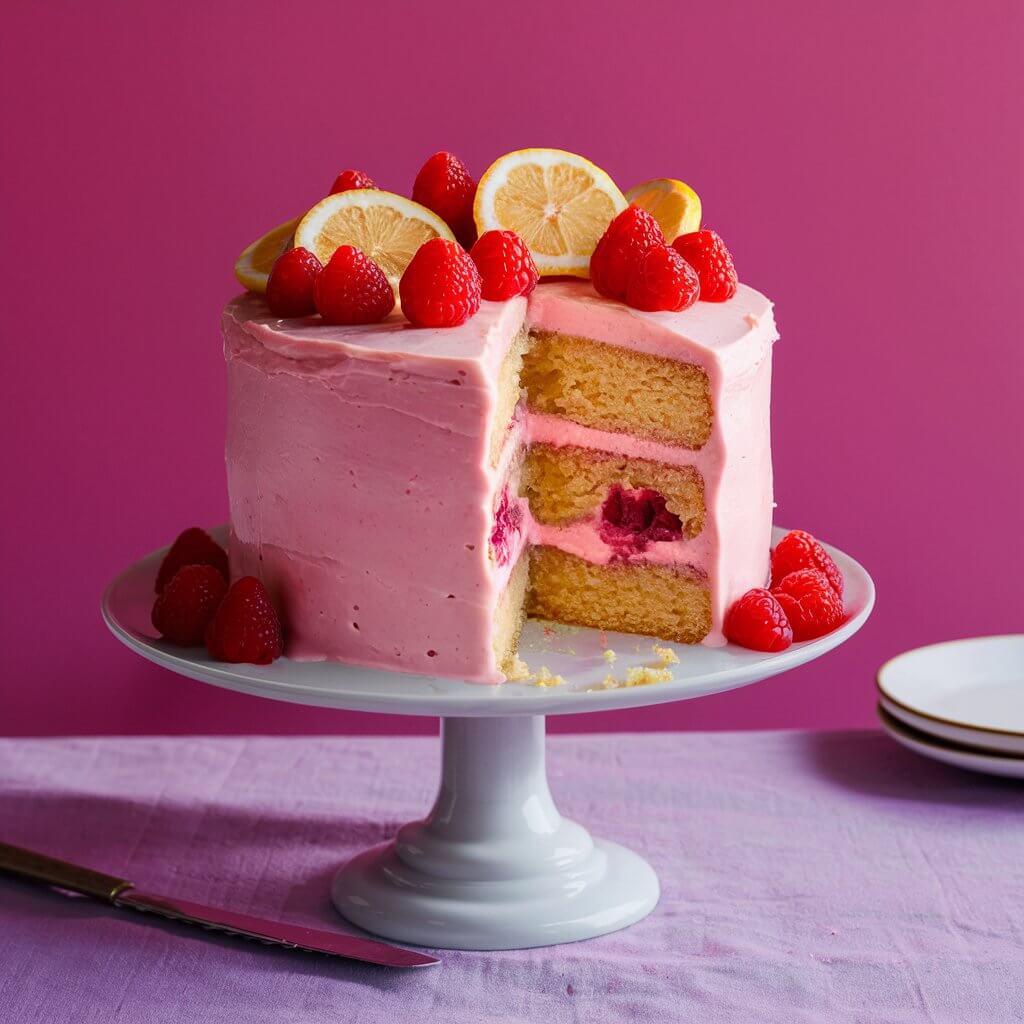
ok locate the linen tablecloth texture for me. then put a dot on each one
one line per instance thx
(813, 877)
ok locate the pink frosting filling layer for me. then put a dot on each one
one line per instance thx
(361, 489)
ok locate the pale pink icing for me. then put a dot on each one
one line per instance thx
(583, 539)
(728, 337)
(362, 492)
(545, 429)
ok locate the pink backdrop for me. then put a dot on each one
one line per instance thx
(863, 161)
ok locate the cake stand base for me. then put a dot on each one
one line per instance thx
(494, 865)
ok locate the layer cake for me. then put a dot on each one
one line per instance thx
(408, 495)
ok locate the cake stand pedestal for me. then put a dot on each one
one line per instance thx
(493, 865)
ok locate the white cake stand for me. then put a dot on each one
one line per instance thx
(493, 865)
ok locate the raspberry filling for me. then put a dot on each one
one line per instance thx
(508, 525)
(633, 519)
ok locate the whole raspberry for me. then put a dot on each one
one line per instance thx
(348, 180)
(246, 627)
(618, 252)
(441, 285)
(445, 186)
(506, 265)
(185, 607)
(707, 254)
(352, 289)
(291, 290)
(192, 547)
(811, 605)
(799, 550)
(757, 621)
(662, 280)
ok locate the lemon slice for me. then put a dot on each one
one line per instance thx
(673, 204)
(253, 267)
(387, 227)
(558, 203)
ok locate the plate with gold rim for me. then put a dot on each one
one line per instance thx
(969, 692)
(973, 759)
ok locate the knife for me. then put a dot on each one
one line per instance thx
(119, 892)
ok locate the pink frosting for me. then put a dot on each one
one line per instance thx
(361, 489)
(360, 485)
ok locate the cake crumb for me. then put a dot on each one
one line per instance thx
(666, 655)
(545, 678)
(644, 676)
(609, 656)
(518, 671)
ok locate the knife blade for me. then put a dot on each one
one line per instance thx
(121, 893)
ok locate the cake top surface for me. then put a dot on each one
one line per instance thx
(480, 338)
(709, 325)
(568, 306)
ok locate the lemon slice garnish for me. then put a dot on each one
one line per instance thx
(389, 228)
(253, 267)
(558, 203)
(673, 204)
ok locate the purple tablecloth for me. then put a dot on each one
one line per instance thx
(806, 877)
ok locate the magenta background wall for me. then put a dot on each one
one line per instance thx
(864, 162)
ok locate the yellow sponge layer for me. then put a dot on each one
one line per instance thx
(653, 600)
(566, 484)
(611, 388)
(511, 614)
(509, 391)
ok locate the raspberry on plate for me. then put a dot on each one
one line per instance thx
(799, 550)
(757, 621)
(619, 249)
(192, 547)
(348, 180)
(352, 289)
(186, 606)
(662, 279)
(291, 289)
(441, 285)
(811, 605)
(707, 254)
(506, 265)
(445, 186)
(246, 627)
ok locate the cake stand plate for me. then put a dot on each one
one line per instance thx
(493, 865)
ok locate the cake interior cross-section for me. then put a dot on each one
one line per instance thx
(409, 494)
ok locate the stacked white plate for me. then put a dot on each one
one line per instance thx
(960, 702)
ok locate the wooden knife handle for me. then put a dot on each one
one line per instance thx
(51, 871)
